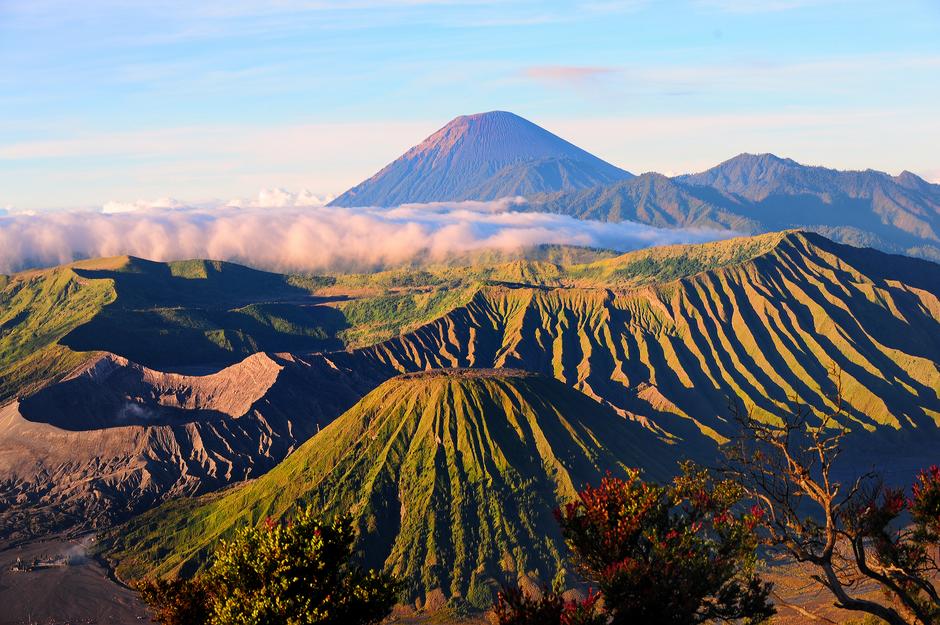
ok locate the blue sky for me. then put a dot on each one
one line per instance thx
(122, 100)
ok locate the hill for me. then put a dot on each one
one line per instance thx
(665, 337)
(452, 477)
(499, 154)
(670, 334)
(896, 213)
(649, 198)
(482, 157)
(37, 310)
(158, 314)
(204, 315)
(764, 193)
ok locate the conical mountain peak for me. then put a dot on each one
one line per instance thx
(497, 137)
(484, 156)
(452, 466)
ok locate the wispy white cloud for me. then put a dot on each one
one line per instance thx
(190, 21)
(166, 203)
(762, 6)
(312, 239)
(196, 161)
(228, 160)
(282, 198)
(683, 143)
(574, 75)
(750, 74)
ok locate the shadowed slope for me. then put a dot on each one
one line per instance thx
(38, 309)
(451, 475)
(199, 312)
(156, 314)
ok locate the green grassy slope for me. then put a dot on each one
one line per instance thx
(195, 312)
(671, 262)
(665, 337)
(391, 303)
(668, 333)
(159, 314)
(200, 312)
(763, 323)
(38, 309)
(452, 477)
(213, 313)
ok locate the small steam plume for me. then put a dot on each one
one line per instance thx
(135, 412)
(76, 554)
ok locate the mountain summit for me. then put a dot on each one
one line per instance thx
(483, 157)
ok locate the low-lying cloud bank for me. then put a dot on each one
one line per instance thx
(310, 239)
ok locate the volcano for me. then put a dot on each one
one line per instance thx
(483, 157)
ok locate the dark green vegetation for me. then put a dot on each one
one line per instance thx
(37, 309)
(201, 312)
(297, 572)
(157, 314)
(451, 476)
(674, 555)
(678, 554)
(656, 340)
(550, 607)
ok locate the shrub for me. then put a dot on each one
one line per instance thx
(514, 607)
(676, 554)
(294, 573)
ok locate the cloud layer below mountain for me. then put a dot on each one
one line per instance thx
(316, 238)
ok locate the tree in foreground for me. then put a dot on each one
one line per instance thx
(855, 535)
(661, 555)
(294, 573)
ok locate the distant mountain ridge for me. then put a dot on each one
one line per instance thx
(499, 154)
(649, 198)
(870, 208)
(482, 157)
(760, 193)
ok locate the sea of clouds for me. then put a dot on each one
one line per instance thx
(285, 231)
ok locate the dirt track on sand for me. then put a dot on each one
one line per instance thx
(78, 593)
